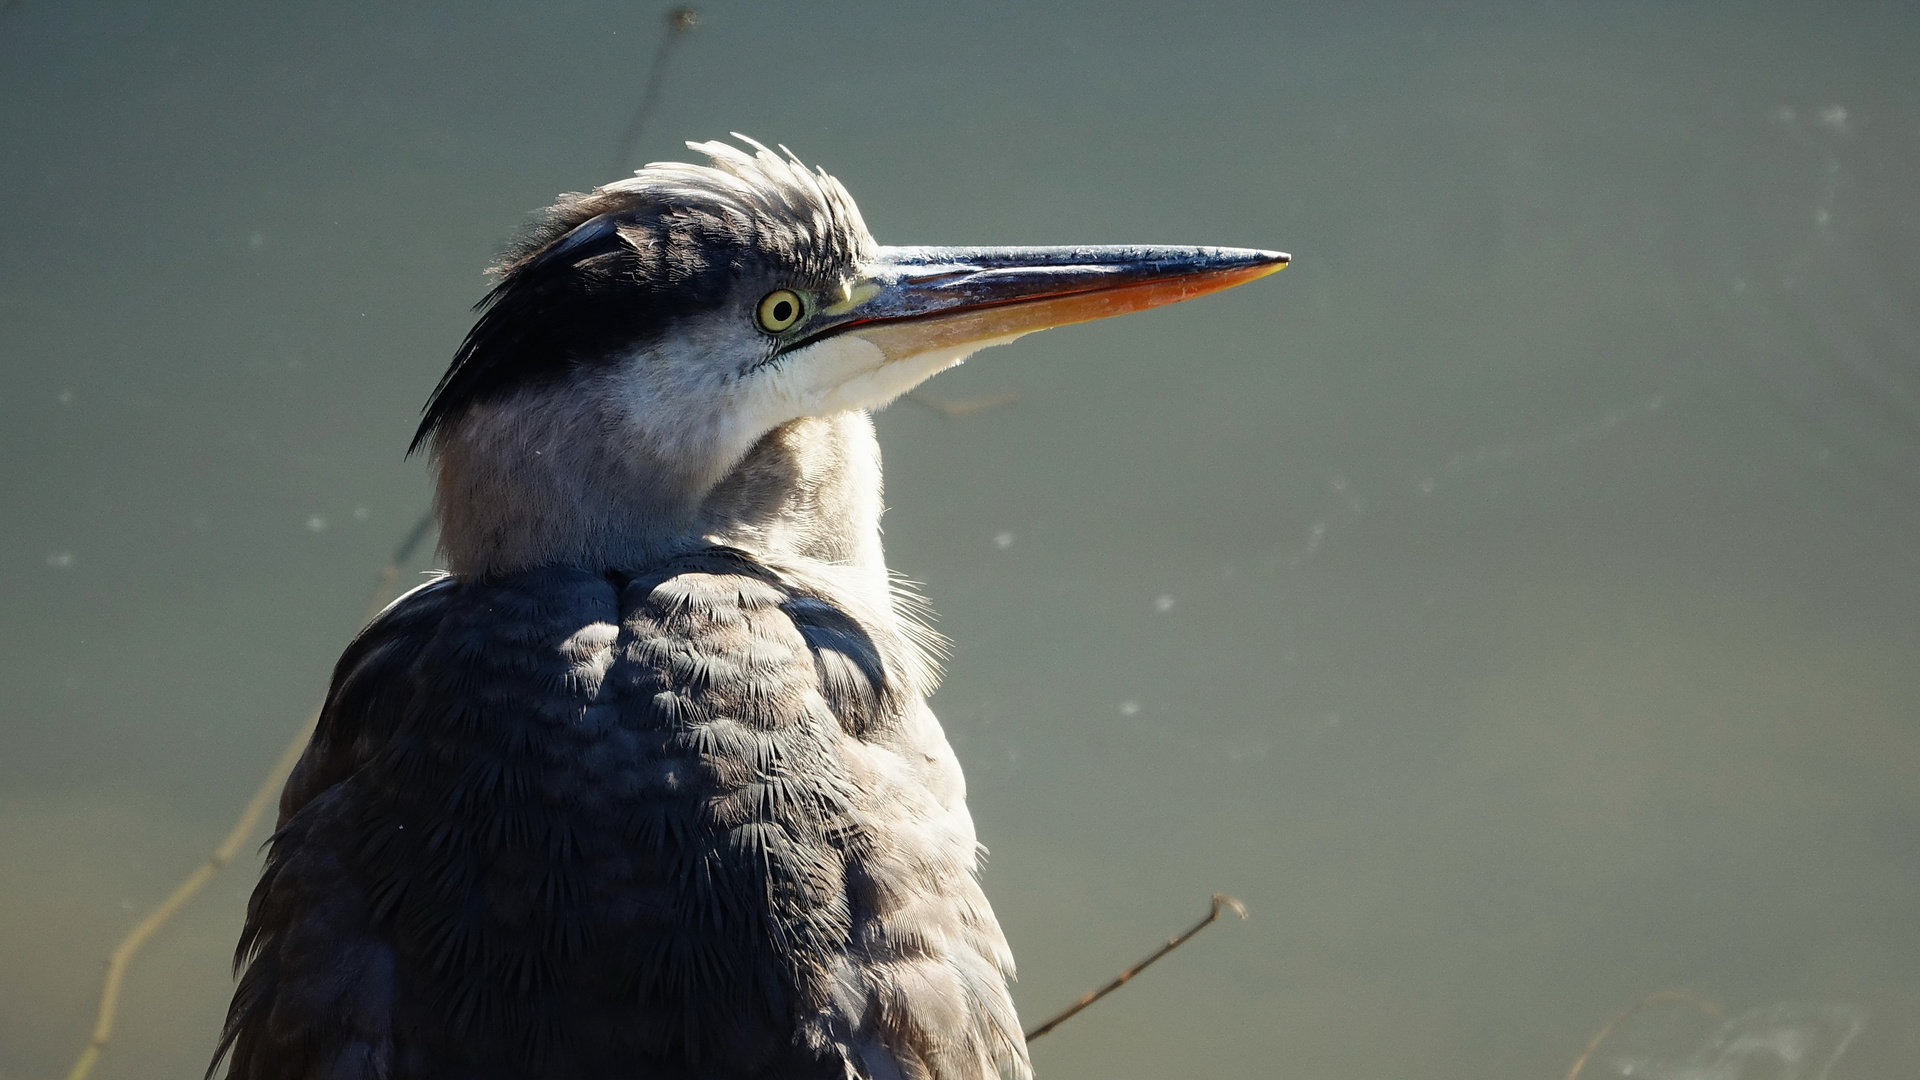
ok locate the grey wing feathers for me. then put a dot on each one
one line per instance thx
(366, 681)
(300, 922)
(687, 822)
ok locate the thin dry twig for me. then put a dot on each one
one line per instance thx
(1221, 902)
(680, 22)
(955, 407)
(263, 797)
(1671, 993)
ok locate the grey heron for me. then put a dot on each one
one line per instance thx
(646, 785)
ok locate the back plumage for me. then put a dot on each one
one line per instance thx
(689, 822)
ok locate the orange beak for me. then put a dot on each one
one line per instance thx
(916, 300)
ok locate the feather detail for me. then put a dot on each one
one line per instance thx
(691, 820)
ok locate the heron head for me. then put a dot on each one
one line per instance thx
(666, 324)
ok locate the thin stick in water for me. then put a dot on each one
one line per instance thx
(263, 797)
(1221, 903)
(956, 407)
(680, 21)
(1668, 994)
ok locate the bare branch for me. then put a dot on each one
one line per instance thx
(263, 797)
(680, 22)
(957, 407)
(1668, 994)
(1221, 902)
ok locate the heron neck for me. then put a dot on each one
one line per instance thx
(807, 490)
(528, 483)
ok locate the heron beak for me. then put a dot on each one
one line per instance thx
(918, 300)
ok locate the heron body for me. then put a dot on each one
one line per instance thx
(646, 785)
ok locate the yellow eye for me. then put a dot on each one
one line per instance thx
(779, 310)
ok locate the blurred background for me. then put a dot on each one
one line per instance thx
(1516, 602)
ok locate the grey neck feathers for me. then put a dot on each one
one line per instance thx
(543, 479)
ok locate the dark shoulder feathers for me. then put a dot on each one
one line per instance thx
(572, 825)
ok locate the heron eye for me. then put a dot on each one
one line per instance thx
(779, 310)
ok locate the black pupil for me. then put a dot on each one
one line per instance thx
(782, 310)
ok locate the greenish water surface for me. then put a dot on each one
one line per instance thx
(1516, 602)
